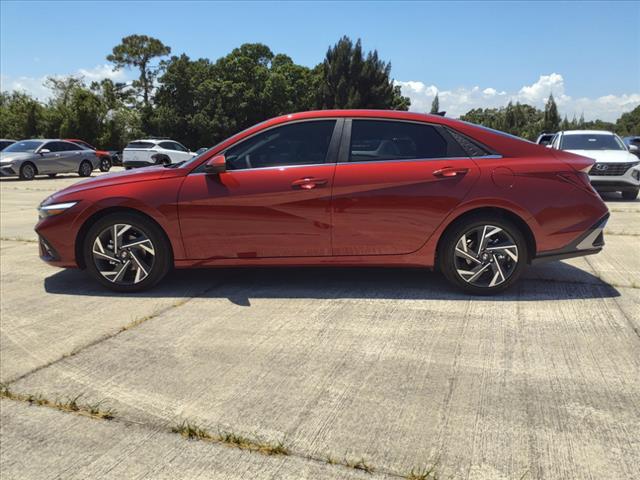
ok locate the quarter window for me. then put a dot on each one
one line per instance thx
(303, 143)
(375, 140)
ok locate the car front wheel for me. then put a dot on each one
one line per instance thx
(27, 171)
(483, 255)
(127, 252)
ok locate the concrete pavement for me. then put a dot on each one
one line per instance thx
(389, 366)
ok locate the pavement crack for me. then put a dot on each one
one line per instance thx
(134, 323)
(192, 432)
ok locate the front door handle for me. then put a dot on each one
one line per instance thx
(448, 172)
(308, 183)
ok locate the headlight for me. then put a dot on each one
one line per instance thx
(54, 209)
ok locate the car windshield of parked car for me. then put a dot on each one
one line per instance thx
(26, 146)
(591, 142)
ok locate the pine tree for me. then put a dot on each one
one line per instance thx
(435, 105)
(349, 79)
(551, 122)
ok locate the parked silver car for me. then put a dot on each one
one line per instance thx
(28, 158)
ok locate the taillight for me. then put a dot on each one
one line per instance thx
(579, 179)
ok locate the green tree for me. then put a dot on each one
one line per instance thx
(139, 51)
(551, 121)
(629, 123)
(21, 116)
(349, 79)
(435, 105)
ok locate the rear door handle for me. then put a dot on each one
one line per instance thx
(308, 183)
(448, 172)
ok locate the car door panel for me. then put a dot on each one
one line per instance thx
(277, 206)
(385, 208)
(385, 205)
(257, 213)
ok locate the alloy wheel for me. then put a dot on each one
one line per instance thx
(485, 256)
(123, 254)
(28, 172)
(85, 169)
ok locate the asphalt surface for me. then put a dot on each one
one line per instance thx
(387, 367)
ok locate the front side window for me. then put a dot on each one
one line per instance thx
(375, 140)
(303, 143)
(595, 141)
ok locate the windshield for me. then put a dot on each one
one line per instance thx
(26, 146)
(589, 141)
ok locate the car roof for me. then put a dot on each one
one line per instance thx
(587, 132)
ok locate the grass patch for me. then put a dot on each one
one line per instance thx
(70, 404)
(194, 432)
(423, 473)
(359, 465)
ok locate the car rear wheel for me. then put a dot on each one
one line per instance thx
(105, 164)
(85, 168)
(27, 171)
(127, 252)
(483, 255)
(630, 194)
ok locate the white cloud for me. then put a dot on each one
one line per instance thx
(35, 85)
(459, 101)
(102, 71)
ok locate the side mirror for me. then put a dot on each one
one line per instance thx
(215, 165)
(633, 148)
(44, 150)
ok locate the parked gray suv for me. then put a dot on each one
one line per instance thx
(28, 158)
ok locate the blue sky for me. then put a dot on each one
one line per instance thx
(472, 53)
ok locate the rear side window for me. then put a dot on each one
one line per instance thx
(141, 145)
(68, 146)
(376, 140)
(473, 148)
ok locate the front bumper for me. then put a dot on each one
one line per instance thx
(628, 181)
(8, 171)
(590, 242)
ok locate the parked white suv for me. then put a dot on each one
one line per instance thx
(154, 151)
(616, 168)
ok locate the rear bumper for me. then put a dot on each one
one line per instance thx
(589, 243)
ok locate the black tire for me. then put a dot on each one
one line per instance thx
(28, 171)
(447, 252)
(105, 164)
(85, 168)
(52, 175)
(163, 259)
(630, 194)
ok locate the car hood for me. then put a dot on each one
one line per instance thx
(607, 156)
(119, 178)
(6, 157)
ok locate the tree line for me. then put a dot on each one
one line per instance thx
(200, 102)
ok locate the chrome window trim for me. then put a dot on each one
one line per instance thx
(406, 160)
(335, 134)
(282, 167)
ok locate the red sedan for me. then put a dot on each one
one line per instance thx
(343, 187)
